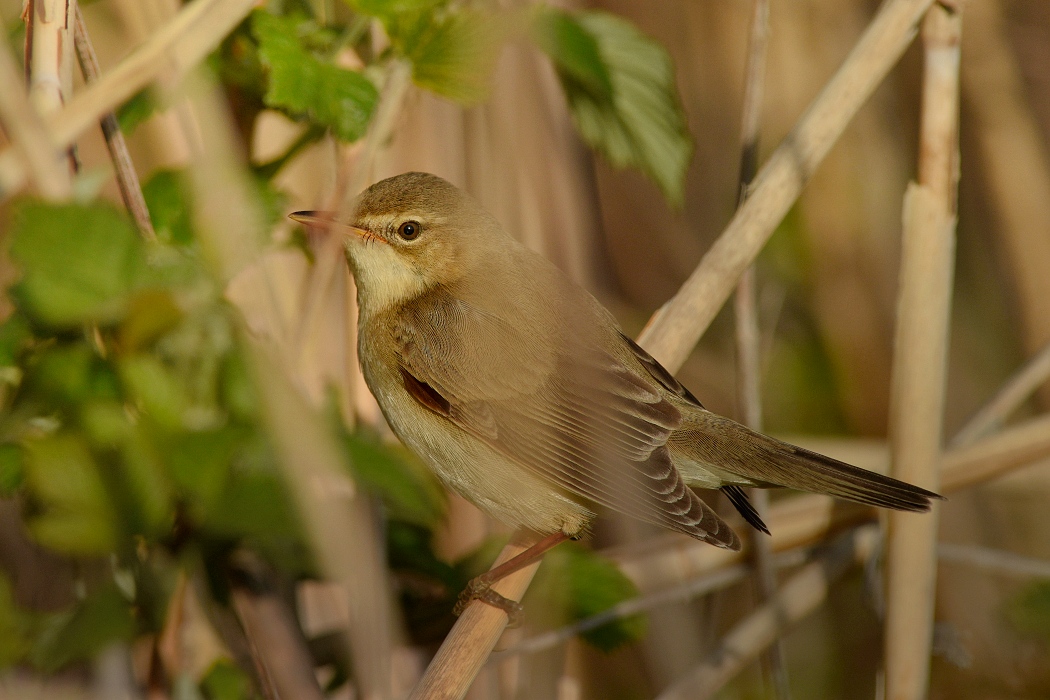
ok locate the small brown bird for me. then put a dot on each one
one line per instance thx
(522, 393)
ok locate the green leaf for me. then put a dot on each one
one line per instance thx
(639, 121)
(410, 549)
(226, 681)
(63, 372)
(253, 504)
(238, 66)
(237, 389)
(406, 487)
(75, 513)
(392, 8)
(14, 627)
(272, 201)
(138, 109)
(168, 198)
(199, 463)
(452, 52)
(305, 85)
(151, 314)
(14, 336)
(155, 390)
(574, 51)
(481, 558)
(1029, 610)
(105, 422)
(576, 583)
(104, 617)
(12, 472)
(78, 262)
(147, 484)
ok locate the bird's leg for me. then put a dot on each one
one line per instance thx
(480, 587)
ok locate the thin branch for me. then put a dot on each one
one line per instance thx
(921, 359)
(747, 331)
(801, 595)
(179, 46)
(127, 178)
(675, 329)
(32, 152)
(1014, 392)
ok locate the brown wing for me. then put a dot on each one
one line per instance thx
(580, 418)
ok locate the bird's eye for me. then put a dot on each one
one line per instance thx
(409, 230)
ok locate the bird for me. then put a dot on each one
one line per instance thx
(524, 395)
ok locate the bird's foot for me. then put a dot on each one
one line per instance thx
(481, 590)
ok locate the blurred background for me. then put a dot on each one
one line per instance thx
(827, 285)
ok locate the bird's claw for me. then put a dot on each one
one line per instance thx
(482, 591)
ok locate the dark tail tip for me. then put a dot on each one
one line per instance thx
(738, 497)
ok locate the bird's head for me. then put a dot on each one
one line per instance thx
(409, 234)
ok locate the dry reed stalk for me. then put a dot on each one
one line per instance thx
(32, 151)
(49, 63)
(920, 361)
(127, 178)
(996, 455)
(748, 337)
(675, 329)
(467, 646)
(49, 44)
(337, 521)
(177, 47)
(804, 519)
(796, 599)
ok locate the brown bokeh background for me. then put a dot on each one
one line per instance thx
(827, 281)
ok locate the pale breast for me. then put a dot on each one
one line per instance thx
(502, 488)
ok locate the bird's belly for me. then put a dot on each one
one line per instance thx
(502, 488)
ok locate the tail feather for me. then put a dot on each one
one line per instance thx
(738, 497)
(740, 455)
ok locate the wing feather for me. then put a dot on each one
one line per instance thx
(584, 420)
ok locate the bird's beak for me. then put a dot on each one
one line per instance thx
(326, 219)
(313, 218)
